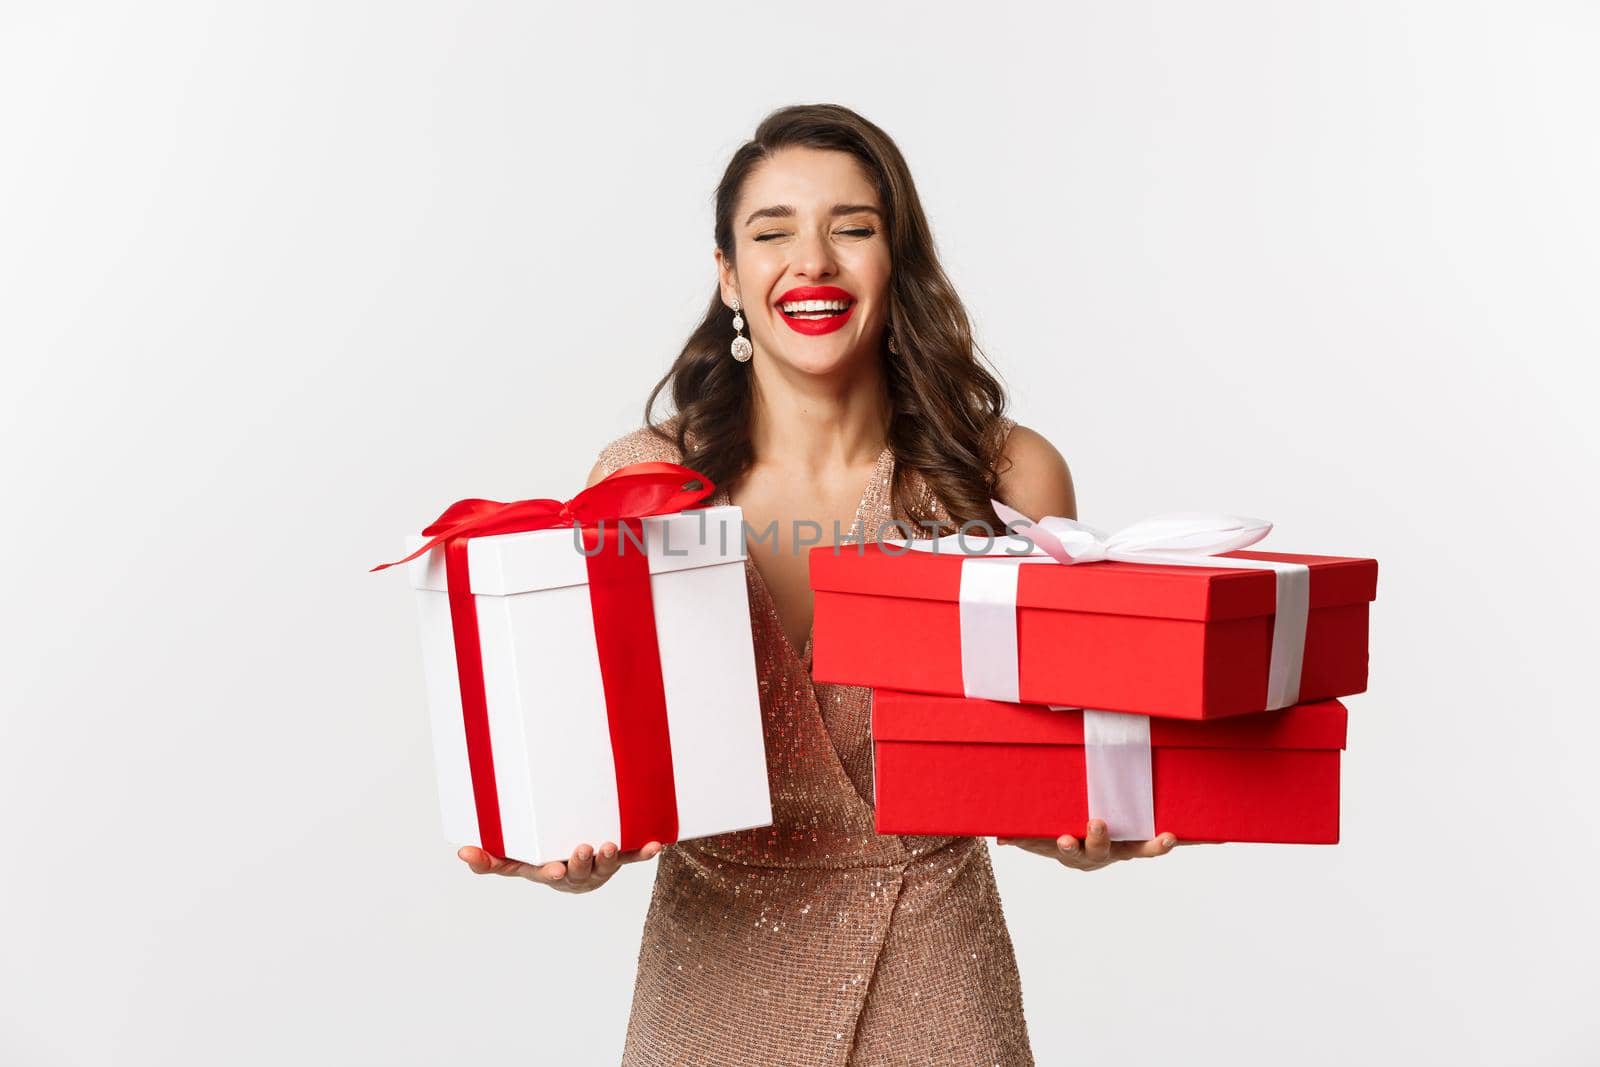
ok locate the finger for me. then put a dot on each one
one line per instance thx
(552, 873)
(581, 865)
(1159, 845)
(484, 862)
(476, 858)
(1043, 846)
(607, 860)
(648, 852)
(1097, 845)
(1069, 849)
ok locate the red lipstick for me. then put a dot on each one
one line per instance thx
(813, 327)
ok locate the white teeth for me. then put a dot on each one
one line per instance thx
(795, 306)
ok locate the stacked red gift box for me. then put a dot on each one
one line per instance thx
(1163, 678)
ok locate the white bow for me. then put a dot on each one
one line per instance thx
(1185, 533)
(1181, 534)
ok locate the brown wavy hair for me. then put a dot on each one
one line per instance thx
(946, 408)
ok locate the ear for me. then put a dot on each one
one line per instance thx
(726, 279)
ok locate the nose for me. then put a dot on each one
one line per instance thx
(813, 257)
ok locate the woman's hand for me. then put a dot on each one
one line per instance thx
(584, 872)
(1096, 850)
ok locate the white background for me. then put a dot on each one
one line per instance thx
(279, 281)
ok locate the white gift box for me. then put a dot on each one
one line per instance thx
(548, 723)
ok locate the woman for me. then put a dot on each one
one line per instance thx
(856, 398)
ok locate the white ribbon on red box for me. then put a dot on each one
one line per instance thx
(1117, 773)
(1116, 745)
(988, 598)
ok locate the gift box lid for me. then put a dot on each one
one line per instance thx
(1107, 587)
(504, 564)
(900, 716)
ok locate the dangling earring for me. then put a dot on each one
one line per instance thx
(742, 349)
(892, 347)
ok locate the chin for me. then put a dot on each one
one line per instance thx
(823, 360)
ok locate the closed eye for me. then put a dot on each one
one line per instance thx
(855, 231)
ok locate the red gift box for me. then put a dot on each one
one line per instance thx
(1184, 642)
(957, 765)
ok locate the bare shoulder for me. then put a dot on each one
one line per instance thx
(1034, 477)
(643, 445)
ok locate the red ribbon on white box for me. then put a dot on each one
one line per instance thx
(624, 628)
(988, 597)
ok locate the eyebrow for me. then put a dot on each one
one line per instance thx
(784, 211)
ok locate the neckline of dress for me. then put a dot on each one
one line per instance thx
(803, 657)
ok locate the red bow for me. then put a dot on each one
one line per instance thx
(629, 492)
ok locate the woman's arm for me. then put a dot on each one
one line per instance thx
(1034, 478)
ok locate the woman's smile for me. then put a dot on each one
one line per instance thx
(816, 309)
